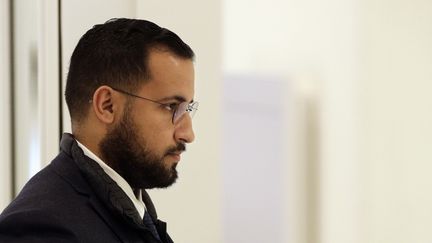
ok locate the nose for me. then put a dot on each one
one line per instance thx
(183, 130)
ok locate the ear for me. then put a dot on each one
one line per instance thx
(104, 104)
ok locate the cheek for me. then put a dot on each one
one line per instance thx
(157, 136)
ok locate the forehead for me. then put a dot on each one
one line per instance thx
(170, 75)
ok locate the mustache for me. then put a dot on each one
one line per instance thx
(181, 147)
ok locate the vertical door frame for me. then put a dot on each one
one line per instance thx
(49, 79)
(6, 169)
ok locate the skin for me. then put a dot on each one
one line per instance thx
(171, 81)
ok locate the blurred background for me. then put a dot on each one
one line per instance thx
(314, 122)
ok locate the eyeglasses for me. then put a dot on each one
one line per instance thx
(178, 109)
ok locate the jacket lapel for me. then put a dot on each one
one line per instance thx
(161, 226)
(114, 224)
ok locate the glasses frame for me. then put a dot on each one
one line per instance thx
(189, 108)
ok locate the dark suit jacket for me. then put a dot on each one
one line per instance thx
(73, 200)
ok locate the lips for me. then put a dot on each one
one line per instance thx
(175, 152)
(175, 155)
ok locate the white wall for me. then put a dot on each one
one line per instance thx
(358, 159)
(5, 107)
(395, 105)
(312, 45)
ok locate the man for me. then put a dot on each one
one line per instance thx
(130, 90)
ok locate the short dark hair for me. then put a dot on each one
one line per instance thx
(115, 54)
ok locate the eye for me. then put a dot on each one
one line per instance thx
(171, 106)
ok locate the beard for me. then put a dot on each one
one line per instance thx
(128, 155)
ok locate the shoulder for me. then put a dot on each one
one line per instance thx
(48, 206)
(34, 226)
(54, 186)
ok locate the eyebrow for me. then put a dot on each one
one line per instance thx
(175, 97)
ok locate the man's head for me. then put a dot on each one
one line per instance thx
(126, 81)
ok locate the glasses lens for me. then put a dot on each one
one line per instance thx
(192, 108)
(183, 108)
